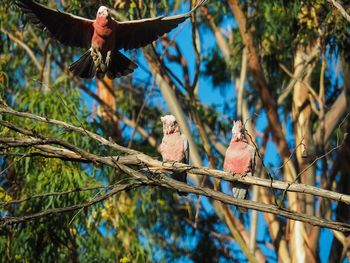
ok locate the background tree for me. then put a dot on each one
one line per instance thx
(280, 66)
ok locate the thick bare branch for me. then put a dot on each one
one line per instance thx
(170, 183)
(155, 175)
(136, 158)
(4, 109)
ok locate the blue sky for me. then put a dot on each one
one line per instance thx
(211, 95)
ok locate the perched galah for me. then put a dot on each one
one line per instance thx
(104, 36)
(174, 146)
(239, 158)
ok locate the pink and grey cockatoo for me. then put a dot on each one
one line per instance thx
(239, 158)
(104, 36)
(174, 146)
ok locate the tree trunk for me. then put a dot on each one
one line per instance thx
(303, 250)
(105, 90)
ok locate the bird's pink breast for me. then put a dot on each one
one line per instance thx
(238, 158)
(172, 148)
(103, 37)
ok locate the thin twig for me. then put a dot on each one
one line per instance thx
(12, 164)
(164, 181)
(14, 220)
(138, 158)
(75, 190)
(308, 167)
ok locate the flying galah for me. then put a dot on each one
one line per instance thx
(174, 146)
(103, 36)
(239, 158)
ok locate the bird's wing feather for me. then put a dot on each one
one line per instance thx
(139, 33)
(253, 162)
(68, 29)
(186, 149)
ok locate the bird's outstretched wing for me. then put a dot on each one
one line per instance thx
(68, 29)
(139, 33)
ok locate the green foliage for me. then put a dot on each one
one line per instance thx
(144, 225)
(216, 68)
(61, 237)
(130, 227)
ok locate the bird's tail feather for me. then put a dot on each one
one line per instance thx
(182, 177)
(84, 67)
(240, 191)
(120, 66)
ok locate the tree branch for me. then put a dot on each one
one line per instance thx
(76, 190)
(119, 188)
(153, 173)
(341, 9)
(138, 158)
(261, 86)
(25, 47)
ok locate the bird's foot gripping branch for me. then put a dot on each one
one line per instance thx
(141, 169)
